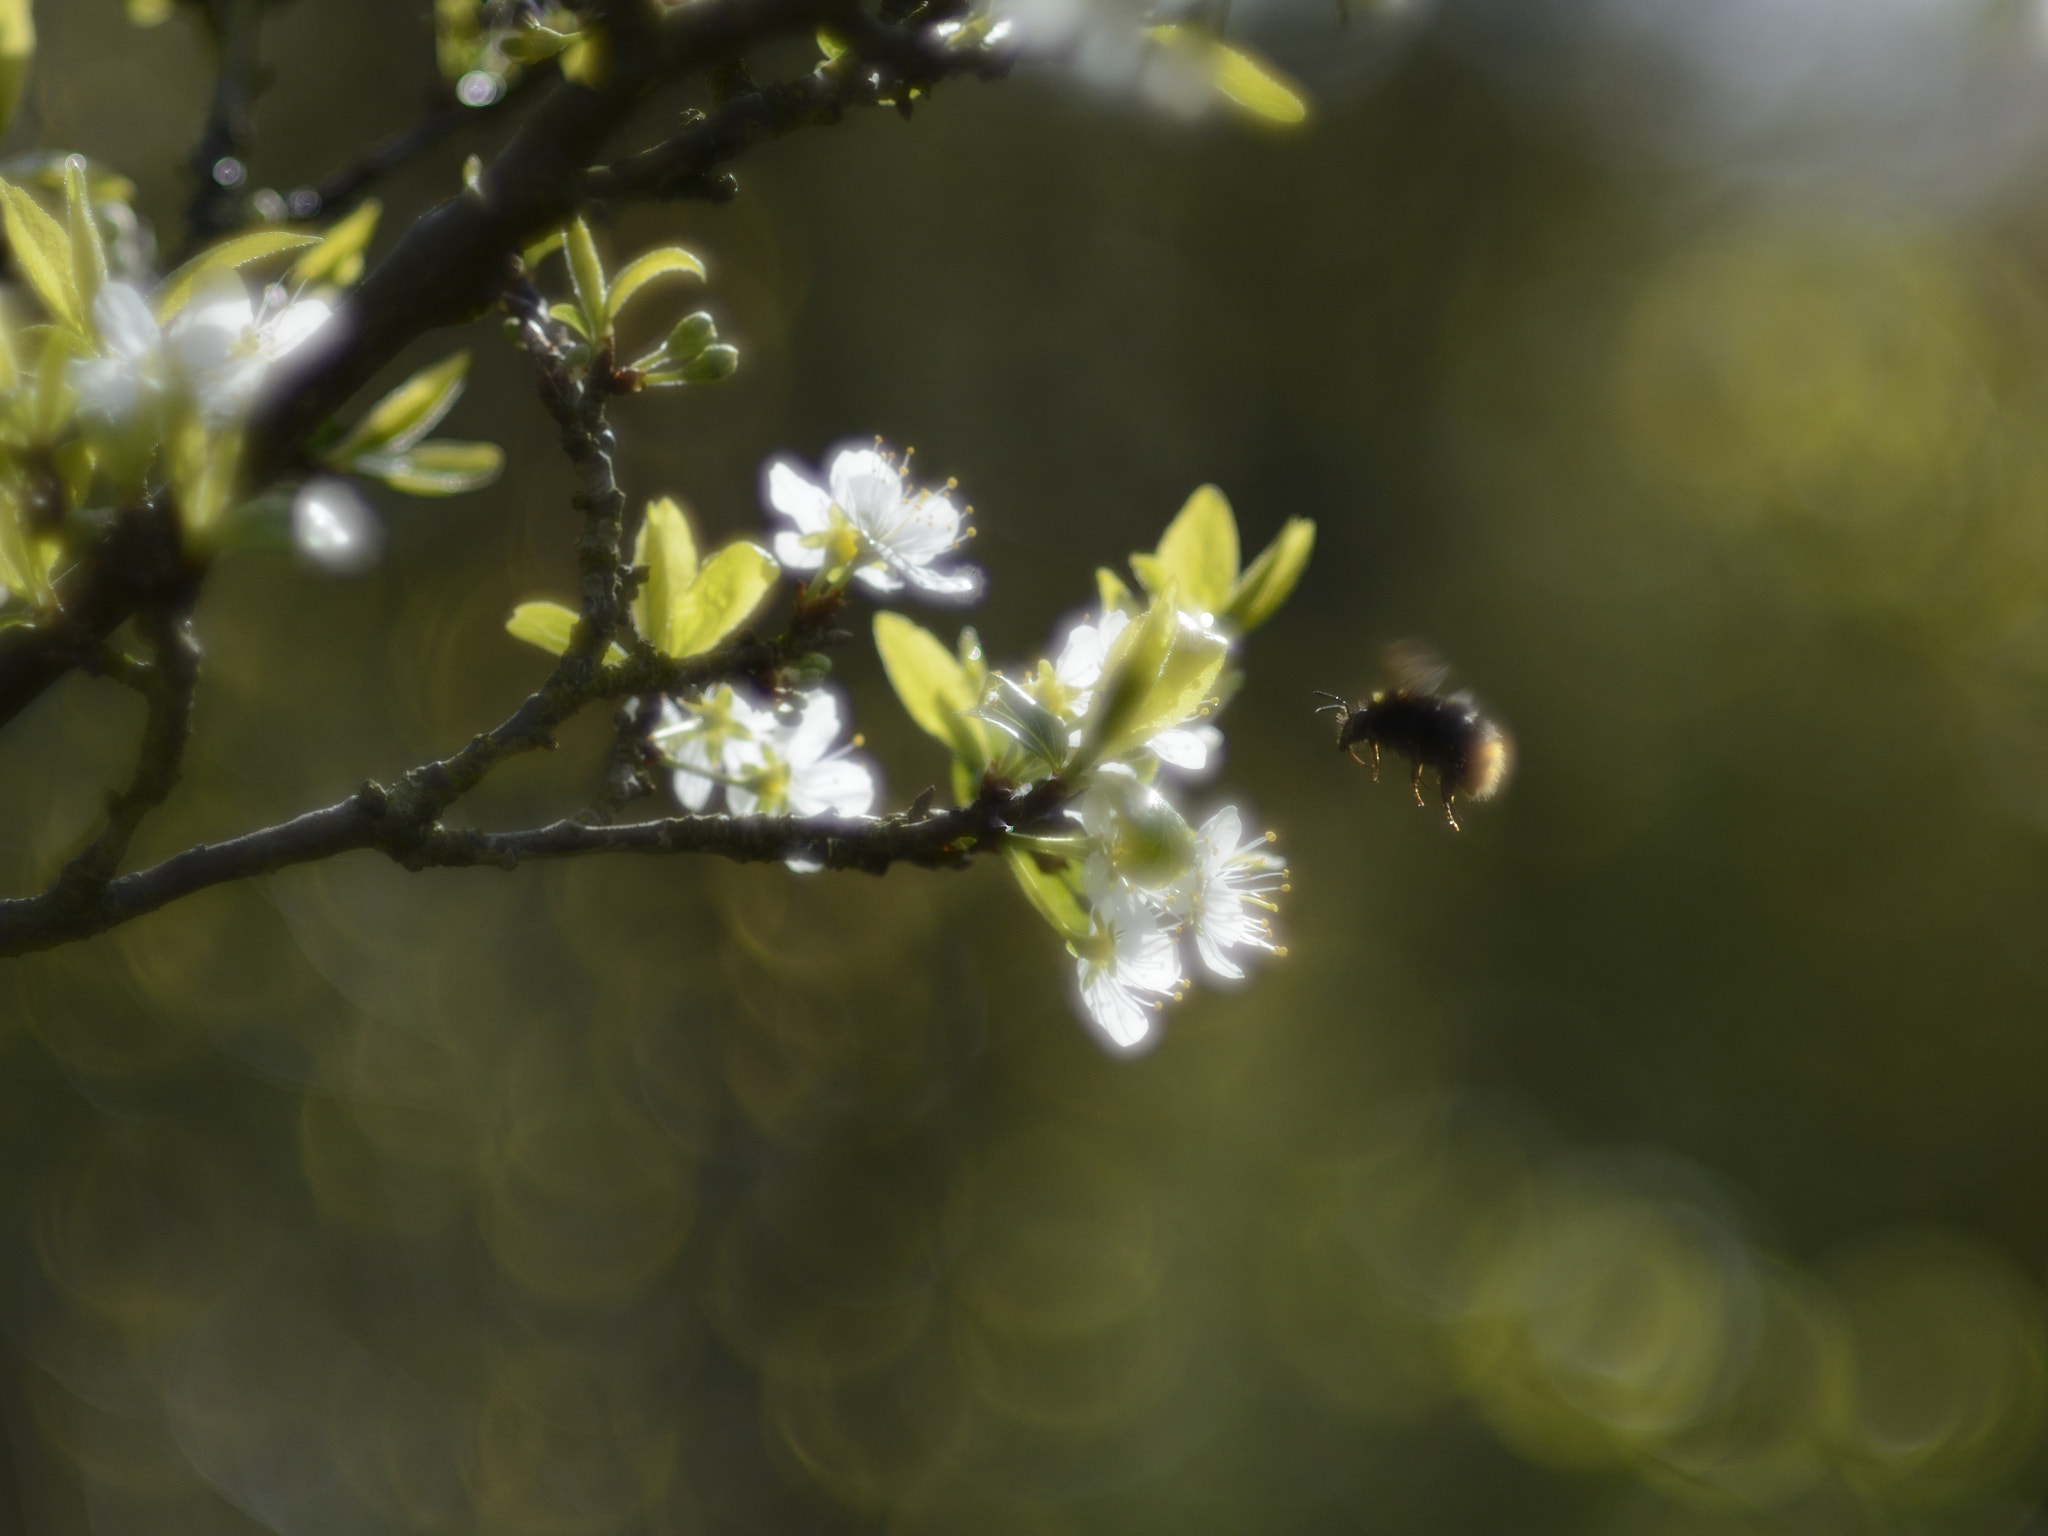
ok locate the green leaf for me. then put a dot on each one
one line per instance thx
(665, 547)
(441, 466)
(1258, 89)
(1270, 579)
(42, 249)
(724, 596)
(150, 13)
(547, 625)
(1009, 709)
(572, 317)
(405, 415)
(51, 403)
(1198, 550)
(551, 627)
(1255, 88)
(88, 255)
(1115, 596)
(937, 691)
(535, 44)
(643, 270)
(586, 274)
(1183, 685)
(204, 466)
(829, 45)
(238, 251)
(338, 258)
(1052, 895)
(17, 51)
(1129, 673)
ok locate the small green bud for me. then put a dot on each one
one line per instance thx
(711, 365)
(693, 333)
(808, 671)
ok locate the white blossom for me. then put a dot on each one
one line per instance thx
(1078, 667)
(797, 773)
(709, 742)
(1128, 965)
(1231, 876)
(865, 518)
(1137, 834)
(216, 350)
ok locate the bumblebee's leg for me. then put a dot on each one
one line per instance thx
(1444, 787)
(1375, 762)
(1416, 784)
(1359, 760)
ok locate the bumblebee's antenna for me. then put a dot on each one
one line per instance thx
(1341, 706)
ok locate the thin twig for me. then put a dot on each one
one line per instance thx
(168, 682)
(885, 70)
(230, 124)
(338, 189)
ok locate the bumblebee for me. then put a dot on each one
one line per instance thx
(1470, 752)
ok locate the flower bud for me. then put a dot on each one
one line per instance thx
(711, 365)
(693, 333)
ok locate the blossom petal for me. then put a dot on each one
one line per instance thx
(126, 327)
(1117, 1016)
(109, 388)
(1186, 747)
(294, 323)
(807, 505)
(878, 578)
(1222, 832)
(926, 526)
(814, 732)
(1215, 959)
(795, 554)
(963, 581)
(692, 789)
(841, 785)
(867, 487)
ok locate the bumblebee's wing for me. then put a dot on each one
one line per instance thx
(1414, 667)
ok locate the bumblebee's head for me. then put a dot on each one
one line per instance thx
(1339, 707)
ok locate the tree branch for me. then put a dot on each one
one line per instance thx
(942, 839)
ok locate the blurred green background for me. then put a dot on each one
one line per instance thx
(1663, 1154)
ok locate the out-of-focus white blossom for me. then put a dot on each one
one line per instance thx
(866, 521)
(216, 351)
(1105, 44)
(334, 526)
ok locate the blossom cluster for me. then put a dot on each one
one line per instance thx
(1115, 720)
(138, 385)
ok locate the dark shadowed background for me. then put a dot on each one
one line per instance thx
(1664, 1153)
